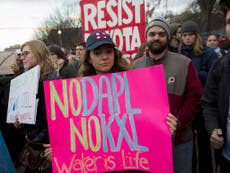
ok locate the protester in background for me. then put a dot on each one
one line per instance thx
(202, 57)
(212, 42)
(175, 32)
(35, 52)
(192, 47)
(80, 52)
(60, 62)
(216, 106)
(184, 89)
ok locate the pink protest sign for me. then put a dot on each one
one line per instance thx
(110, 122)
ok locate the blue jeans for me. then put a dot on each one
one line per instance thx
(182, 157)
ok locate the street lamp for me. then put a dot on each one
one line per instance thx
(59, 37)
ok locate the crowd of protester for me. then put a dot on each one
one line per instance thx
(197, 79)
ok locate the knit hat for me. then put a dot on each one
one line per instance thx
(190, 26)
(158, 22)
(174, 27)
(97, 39)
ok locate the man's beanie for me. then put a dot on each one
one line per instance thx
(158, 22)
(174, 27)
(190, 26)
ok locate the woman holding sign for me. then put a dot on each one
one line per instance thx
(35, 53)
(102, 57)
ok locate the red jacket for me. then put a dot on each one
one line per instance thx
(184, 90)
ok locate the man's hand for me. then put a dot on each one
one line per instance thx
(172, 122)
(216, 139)
(47, 151)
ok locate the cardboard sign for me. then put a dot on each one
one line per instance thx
(110, 122)
(6, 164)
(22, 99)
(124, 20)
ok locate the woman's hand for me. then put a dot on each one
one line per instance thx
(172, 122)
(17, 123)
(47, 151)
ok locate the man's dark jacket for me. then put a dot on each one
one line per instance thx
(215, 99)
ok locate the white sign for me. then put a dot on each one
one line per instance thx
(22, 99)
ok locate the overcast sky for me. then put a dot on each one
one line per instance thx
(176, 6)
(19, 18)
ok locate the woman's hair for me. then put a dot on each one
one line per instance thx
(120, 64)
(42, 54)
(212, 34)
(198, 45)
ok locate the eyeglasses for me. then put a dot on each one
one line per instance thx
(25, 53)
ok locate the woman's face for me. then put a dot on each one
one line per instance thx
(102, 59)
(212, 42)
(188, 38)
(28, 58)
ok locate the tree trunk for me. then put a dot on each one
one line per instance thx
(206, 7)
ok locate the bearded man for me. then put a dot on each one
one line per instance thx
(183, 86)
